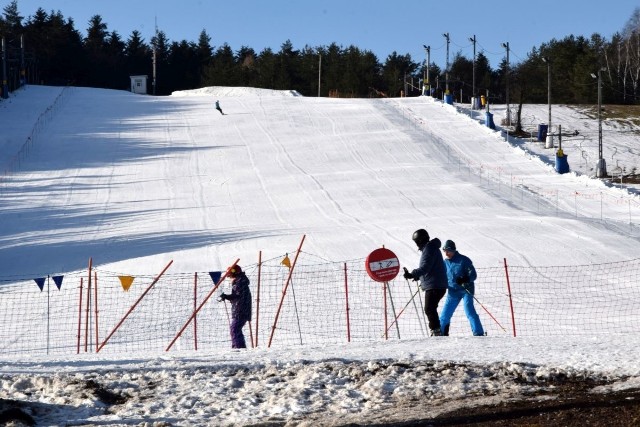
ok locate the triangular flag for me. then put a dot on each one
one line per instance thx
(215, 276)
(40, 282)
(286, 261)
(58, 281)
(126, 282)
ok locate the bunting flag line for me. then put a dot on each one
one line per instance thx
(286, 261)
(215, 276)
(58, 281)
(126, 282)
(40, 282)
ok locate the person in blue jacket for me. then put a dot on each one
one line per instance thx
(431, 275)
(461, 275)
(240, 298)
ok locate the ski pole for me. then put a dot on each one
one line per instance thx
(393, 308)
(401, 311)
(419, 300)
(476, 300)
(416, 308)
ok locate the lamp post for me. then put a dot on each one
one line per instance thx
(319, 71)
(473, 85)
(601, 166)
(446, 71)
(427, 84)
(506, 46)
(549, 139)
(5, 86)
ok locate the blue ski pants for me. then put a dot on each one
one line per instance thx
(454, 296)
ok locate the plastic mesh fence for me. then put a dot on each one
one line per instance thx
(322, 303)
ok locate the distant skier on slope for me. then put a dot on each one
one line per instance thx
(218, 107)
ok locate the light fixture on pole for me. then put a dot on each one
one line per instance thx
(427, 84)
(473, 85)
(506, 46)
(601, 166)
(446, 71)
(549, 138)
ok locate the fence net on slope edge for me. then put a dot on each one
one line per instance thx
(323, 303)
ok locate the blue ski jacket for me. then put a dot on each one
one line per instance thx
(460, 268)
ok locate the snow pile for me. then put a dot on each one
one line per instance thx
(312, 384)
(229, 91)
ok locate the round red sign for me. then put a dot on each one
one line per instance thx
(382, 265)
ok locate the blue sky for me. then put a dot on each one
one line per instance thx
(379, 26)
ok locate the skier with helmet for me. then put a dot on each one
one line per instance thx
(431, 275)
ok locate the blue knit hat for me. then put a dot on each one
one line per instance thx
(449, 245)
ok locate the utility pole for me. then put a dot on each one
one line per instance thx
(473, 86)
(549, 132)
(155, 48)
(446, 71)
(5, 86)
(427, 84)
(601, 167)
(319, 71)
(23, 74)
(506, 46)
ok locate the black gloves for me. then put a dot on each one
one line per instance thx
(223, 297)
(461, 280)
(407, 275)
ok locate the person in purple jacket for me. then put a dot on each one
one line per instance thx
(240, 298)
(431, 275)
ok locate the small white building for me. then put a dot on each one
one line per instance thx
(139, 84)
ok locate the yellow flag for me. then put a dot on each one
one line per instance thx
(126, 282)
(286, 261)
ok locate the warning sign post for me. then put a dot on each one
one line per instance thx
(382, 265)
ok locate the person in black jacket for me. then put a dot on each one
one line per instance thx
(431, 275)
(218, 107)
(240, 298)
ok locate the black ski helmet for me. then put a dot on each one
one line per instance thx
(421, 237)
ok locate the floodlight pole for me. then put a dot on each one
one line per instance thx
(446, 71)
(427, 84)
(5, 86)
(601, 167)
(319, 71)
(506, 46)
(549, 132)
(473, 86)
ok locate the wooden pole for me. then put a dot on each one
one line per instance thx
(258, 294)
(284, 292)
(513, 318)
(134, 306)
(195, 304)
(346, 297)
(80, 316)
(95, 293)
(224, 276)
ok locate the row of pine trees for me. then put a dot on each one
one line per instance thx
(56, 53)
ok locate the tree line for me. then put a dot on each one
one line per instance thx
(56, 53)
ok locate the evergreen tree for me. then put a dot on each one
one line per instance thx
(137, 54)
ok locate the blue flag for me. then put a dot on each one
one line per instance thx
(215, 276)
(58, 281)
(40, 282)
